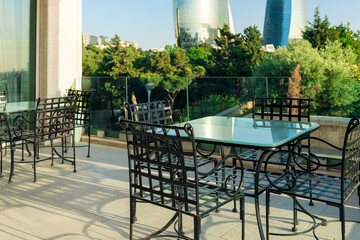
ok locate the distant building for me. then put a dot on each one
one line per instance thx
(128, 44)
(269, 48)
(198, 21)
(284, 21)
(101, 41)
(87, 39)
(157, 49)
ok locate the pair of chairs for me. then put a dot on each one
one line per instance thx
(54, 118)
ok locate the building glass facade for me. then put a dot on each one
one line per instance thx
(18, 49)
(284, 21)
(198, 20)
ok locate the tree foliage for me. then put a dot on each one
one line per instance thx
(119, 61)
(236, 54)
(325, 74)
(92, 57)
(320, 31)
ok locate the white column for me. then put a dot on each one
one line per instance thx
(59, 46)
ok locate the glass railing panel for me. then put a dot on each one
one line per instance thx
(212, 96)
(172, 89)
(107, 104)
(193, 98)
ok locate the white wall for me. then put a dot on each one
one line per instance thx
(59, 46)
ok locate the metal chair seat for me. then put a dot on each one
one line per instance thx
(323, 188)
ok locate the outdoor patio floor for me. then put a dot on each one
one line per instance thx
(93, 203)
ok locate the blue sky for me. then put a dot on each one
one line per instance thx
(150, 22)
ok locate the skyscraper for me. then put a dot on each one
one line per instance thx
(198, 20)
(284, 21)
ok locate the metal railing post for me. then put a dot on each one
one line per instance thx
(267, 87)
(126, 90)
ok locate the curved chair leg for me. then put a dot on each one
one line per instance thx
(234, 172)
(36, 154)
(1, 159)
(267, 213)
(296, 222)
(52, 152)
(342, 219)
(73, 146)
(180, 223)
(89, 141)
(197, 228)
(242, 217)
(27, 148)
(132, 216)
(22, 150)
(65, 146)
(62, 150)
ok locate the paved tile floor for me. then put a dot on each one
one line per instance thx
(93, 204)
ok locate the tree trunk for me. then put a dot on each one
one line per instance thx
(172, 97)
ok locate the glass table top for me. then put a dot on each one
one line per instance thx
(248, 131)
(17, 107)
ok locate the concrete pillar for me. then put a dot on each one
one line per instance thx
(59, 46)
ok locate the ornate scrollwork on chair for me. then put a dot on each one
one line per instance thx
(54, 119)
(304, 177)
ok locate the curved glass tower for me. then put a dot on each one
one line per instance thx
(284, 21)
(198, 20)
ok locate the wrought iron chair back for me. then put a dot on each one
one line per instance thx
(157, 112)
(55, 118)
(163, 170)
(149, 170)
(350, 173)
(82, 106)
(290, 109)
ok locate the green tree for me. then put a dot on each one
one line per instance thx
(325, 74)
(119, 61)
(349, 39)
(200, 56)
(173, 69)
(236, 54)
(252, 46)
(320, 31)
(91, 60)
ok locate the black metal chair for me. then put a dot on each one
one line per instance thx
(329, 188)
(160, 112)
(163, 170)
(3, 101)
(54, 119)
(157, 112)
(283, 109)
(83, 110)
